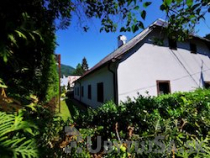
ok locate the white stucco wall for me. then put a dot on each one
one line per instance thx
(139, 72)
(102, 75)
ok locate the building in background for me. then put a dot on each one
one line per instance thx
(149, 64)
(68, 82)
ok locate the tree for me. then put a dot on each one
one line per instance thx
(79, 71)
(27, 46)
(22, 20)
(81, 68)
(207, 36)
(84, 64)
(182, 15)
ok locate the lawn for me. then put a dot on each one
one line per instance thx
(65, 113)
(69, 108)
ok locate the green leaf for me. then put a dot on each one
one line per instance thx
(18, 144)
(168, 2)
(189, 3)
(101, 29)
(146, 4)
(143, 14)
(136, 8)
(12, 38)
(2, 84)
(134, 28)
(122, 29)
(128, 29)
(20, 34)
(129, 2)
(141, 25)
(179, 1)
(162, 7)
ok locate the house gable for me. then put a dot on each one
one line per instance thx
(146, 63)
(137, 66)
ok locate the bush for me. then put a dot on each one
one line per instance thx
(178, 122)
(16, 136)
(181, 120)
(33, 131)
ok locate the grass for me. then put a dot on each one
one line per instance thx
(65, 113)
(69, 109)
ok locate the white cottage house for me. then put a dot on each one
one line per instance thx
(140, 66)
(68, 80)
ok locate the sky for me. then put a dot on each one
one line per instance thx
(74, 44)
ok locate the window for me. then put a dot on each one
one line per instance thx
(100, 92)
(89, 91)
(172, 43)
(74, 90)
(193, 48)
(163, 87)
(82, 91)
(78, 91)
(207, 85)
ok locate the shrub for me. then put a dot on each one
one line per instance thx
(17, 136)
(181, 120)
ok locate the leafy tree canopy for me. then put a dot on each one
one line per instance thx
(25, 19)
(27, 45)
(79, 70)
(182, 15)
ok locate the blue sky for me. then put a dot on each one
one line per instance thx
(74, 43)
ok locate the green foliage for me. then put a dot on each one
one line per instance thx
(180, 117)
(23, 22)
(79, 70)
(17, 136)
(182, 15)
(49, 85)
(65, 113)
(27, 46)
(49, 129)
(2, 84)
(63, 90)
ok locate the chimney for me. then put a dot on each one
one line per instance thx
(121, 40)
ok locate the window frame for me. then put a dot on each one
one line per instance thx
(100, 95)
(163, 81)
